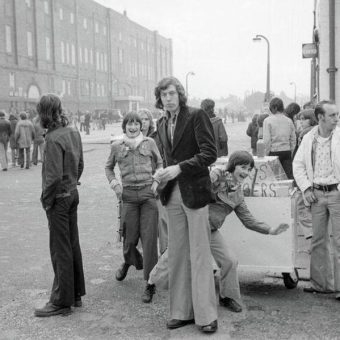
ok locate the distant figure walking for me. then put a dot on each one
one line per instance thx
(5, 133)
(12, 142)
(39, 141)
(24, 136)
(252, 132)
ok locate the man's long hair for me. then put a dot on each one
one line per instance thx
(50, 111)
(163, 85)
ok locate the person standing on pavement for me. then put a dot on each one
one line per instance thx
(252, 132)
(279, 135)
(39, 141)
(61, 169)
(148, 129)
(316, 169)
(24, 136)
(5, 133)
(137, 157)
(187, 138)
(221, 137)
(12, 142)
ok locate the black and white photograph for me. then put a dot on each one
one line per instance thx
(169, 169)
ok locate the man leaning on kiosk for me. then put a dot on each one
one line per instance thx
(316, 170)
(187, 138)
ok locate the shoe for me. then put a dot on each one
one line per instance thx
(148, 293)
(78, 302)
(21, 166)
(230, 304)
(50, 309)
(122, 272)
(211, 328)
(4, 169)
(175, 323)
(27, 167)
(312, 290)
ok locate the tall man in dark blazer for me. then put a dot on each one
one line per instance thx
(187, 140)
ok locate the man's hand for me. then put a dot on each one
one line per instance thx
(279, 229)
(154, 187)
(169, 173)
(118, 191)
(309, 196)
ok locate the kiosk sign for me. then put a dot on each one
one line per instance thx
(309, 50)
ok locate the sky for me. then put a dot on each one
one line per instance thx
(213, 39)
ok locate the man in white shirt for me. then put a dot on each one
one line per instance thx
(316, 168)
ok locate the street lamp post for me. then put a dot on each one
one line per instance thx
(259, 37)
(186, 82)
(293, 83)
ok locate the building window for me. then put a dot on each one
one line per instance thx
(8, 39)
(67, 53)
(69, 87)
(62, 51)
(28, 3)
(61, 14)
(103, 90)
(46, 7)
(86, 60)
(80, 55)
(120, 55)
(104, 30)
(105, 62)
(101, 61)
(120, 36)
(63, 84)
(73, 54)
(97, 61)
(91, 56)
(48, 48)
(11, 80)
(98, 90)
(96, 25)
(85, 23)
(72, 18)
(29, 44)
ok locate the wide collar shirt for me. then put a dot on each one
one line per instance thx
(323, 170)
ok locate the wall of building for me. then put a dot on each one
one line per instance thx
(323, 60)
(92, 56)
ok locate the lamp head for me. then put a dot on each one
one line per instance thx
(257, 39)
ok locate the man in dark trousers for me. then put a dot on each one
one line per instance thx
(62, 167)
(187, 139)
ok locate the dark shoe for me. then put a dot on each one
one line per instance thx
(211, 328)
(175, 323)
(230, 304)
(27, 167)
(78, 302)
(50, 309)
(122, 271)
(312, 290)
(4, 169)
(148, 293)
(21, 166)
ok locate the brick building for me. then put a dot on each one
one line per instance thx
(92, 56)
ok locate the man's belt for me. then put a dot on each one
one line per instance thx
(329, 187)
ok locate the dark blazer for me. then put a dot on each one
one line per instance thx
(194, 151)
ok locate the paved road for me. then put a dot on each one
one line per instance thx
(113, 310)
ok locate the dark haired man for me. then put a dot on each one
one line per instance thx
(316, 169)
(187, 140)
(61, 170)
(221, 137)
